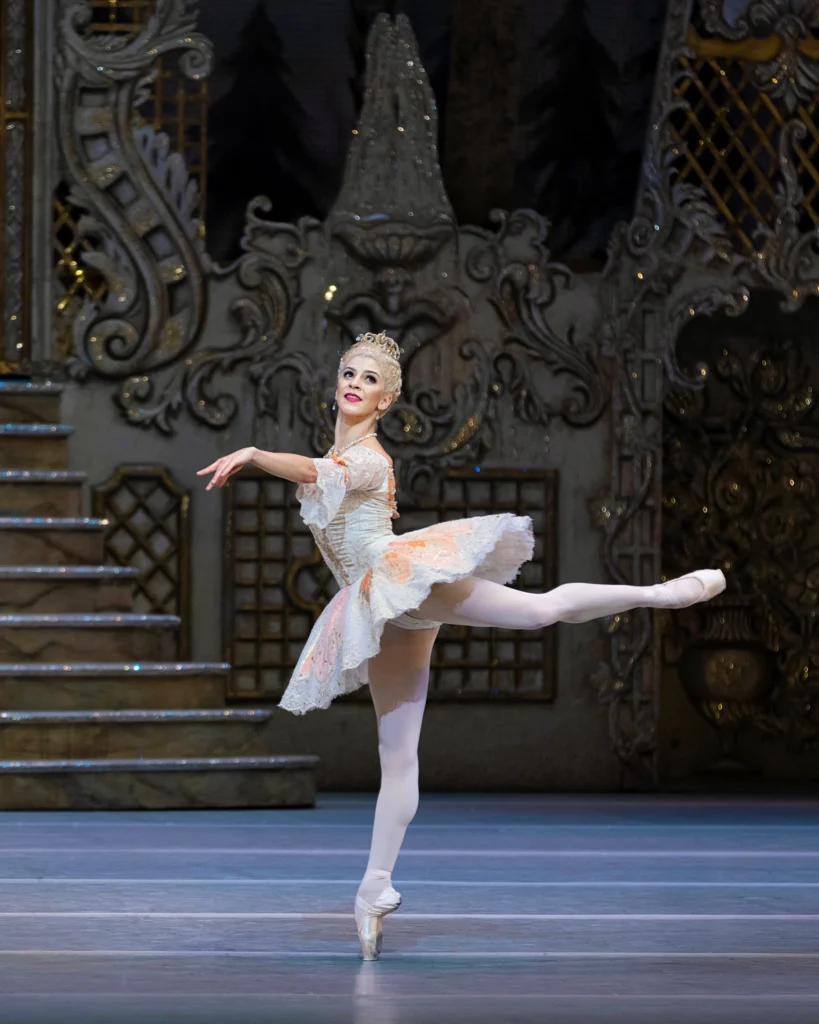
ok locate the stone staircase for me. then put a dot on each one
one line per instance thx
(95, 712)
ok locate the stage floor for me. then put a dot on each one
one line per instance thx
(637, 909)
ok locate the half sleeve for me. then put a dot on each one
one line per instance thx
(360, 470)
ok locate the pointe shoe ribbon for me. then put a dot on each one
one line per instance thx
(370, 921)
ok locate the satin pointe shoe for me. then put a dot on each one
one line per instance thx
(369, 918)
(682, 592)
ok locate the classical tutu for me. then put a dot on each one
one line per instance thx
(350, 510)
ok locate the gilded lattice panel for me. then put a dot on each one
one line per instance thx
(277, 586)
(149, 529)
(727, 127)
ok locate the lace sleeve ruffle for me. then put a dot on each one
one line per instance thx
(321, 501)
(359, 470)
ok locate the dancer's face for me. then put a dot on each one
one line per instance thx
(360, 393)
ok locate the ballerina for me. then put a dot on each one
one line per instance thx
(397, 590)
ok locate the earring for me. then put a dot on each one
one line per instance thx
(335, 405)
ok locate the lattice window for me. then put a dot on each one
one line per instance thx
(276, 583)
(76, 278)
(178, 106)
(277, 586)
(149, 529)
(491, 663)
(728, 138)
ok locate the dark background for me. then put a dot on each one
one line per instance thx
(286, 88)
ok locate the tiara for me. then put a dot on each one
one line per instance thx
(382, 341)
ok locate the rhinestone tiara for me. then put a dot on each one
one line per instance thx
(382, 341)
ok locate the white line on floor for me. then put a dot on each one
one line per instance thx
(296, 916)
(408, 998)
(430, 956)
(330, 851)
(653, 826)
(410, 881)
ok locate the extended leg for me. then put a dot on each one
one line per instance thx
(477, 602)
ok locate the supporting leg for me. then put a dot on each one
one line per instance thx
(399, 676)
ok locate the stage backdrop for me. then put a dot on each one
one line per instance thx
(640, 439)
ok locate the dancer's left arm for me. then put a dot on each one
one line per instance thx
(296, 468)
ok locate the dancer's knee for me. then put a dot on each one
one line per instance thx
(397, 762)
(399, 784)
(557, 605)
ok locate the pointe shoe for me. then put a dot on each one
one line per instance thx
(711, 582)
(369, 918)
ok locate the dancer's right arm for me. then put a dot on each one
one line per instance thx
(296, 468)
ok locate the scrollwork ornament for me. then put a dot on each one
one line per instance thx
(671, 262)
(139, 199)
(788, 258)
(263, 313)
(524, 291)
(713, 16)
(746, 482)
(791, 76)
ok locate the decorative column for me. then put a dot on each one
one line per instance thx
(15, 178)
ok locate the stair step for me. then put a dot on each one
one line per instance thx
(41, 492)
(215, 732)
(52, 523)
(24, 402)
(51, 540)
(115, 685)
(158, 783)
(163, 716)
(51, 589)
(80, 636)
(35, 445)
(29, 387)
(67, 572)
(38, 430)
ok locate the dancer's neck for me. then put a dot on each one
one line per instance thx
(347, 433)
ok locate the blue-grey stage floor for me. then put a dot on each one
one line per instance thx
(547, 909)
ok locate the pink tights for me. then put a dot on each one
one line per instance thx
(399, 676)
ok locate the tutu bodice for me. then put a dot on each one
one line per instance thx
(349, 510)
(383, 577)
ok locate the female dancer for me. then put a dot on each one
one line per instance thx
(397, 590)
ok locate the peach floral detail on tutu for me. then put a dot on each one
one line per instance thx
(365, 586)
(438, 545)
(322, 658)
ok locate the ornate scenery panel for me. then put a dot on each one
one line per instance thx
(740, 483)
(277, 586)
(16, 105)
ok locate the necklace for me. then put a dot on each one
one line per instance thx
(340, 451)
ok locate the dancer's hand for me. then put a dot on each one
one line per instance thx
(224, 468)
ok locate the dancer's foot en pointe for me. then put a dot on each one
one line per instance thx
(693, 588)
(371, 909)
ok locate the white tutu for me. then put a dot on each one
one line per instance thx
(382, 576)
